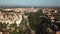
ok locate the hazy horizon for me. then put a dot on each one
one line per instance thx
(27, 3)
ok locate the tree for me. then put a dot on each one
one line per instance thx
(39, 22)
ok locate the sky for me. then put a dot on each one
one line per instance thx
(45, 3)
